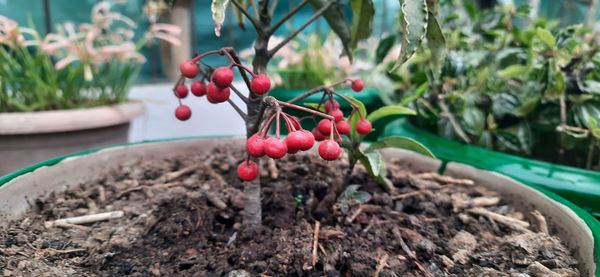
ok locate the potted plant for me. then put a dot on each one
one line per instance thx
(202, 207)
(525, 96)
(67, 91)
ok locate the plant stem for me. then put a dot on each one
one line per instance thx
(446, 112)
(285, 18)
(239, 94)
(245, 12)
(590, 157)
(237, 109)
(314, 17)
(300, 108)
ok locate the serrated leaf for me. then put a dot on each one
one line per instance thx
(218, 9)
(414, 27)
(336, 21)
(389, 111)
(400, 143)
(546, 37)
(513, 71)
(362, 20)
(437, 45)
(384, 47)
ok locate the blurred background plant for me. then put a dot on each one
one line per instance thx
(510, 81)
(80, 66)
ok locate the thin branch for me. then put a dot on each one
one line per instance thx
(237, 109)
(314, 17)
(315, 90)
(233, 55)
(273, 7)
(255, 8)
(261, 113)
(291, 13)
(300, 108)
(446, 112)
(252, 19)
(239, 94)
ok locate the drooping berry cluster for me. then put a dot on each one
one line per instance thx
(218, 88)
(216, 85)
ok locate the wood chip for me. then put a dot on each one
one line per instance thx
(508, 221)
(444, 179)
(381, 264)
(85, 219)
(541, 220)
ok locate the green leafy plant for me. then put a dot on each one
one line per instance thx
(529, 89)
(79, 66)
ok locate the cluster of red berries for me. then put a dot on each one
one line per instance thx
(217, 89)
(327, 131)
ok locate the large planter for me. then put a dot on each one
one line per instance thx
(575, 227)
(579, 186)
(369, 97)
(28, 138)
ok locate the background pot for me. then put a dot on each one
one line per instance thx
(28, 138)
(369, 96)
(578, 229)
(579, 186)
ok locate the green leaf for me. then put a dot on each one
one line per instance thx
(473, 121)
(594, 128)
(546, 37)
(513, 71)
(336, 21)
(362, 20)
(218, 8)
(414, 27)
(389, 111)
(384, 47)
(400, 143)
(375, 165)
(356, 117)
(528, 107)
(437, 45)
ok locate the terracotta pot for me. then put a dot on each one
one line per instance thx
(31, 137)
(578, 229)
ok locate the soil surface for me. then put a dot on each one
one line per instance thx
(183, 214)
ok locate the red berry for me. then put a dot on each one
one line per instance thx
(183, 112)
(215, 94)
(357, 85)
(343, 127)
(324, 126)
(198, 88)
(222, 76)
(260, 84)
(331, 105)
(337, 114)
(317, 134)
(247, 170)
(275, 148)
(189, 69)
(295, 122)
(308, 141)
(181, 91)
(255, 146)
(363, 126)
(329, 150)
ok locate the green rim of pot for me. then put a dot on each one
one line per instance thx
(589, 220)
(579, 186)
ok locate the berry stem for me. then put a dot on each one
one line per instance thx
(354, 106)
(212, 52)
(300, 108)
(288, 123)
(241, 66)
(277, 119)
(267, 124)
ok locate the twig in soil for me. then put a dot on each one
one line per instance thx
(74, 226)
(381, 263)
(542, 225)
(514, 223)
(408, 194)
(174, 175)
(65, 251)
(129, 190)
(273, 171)
(444, 179)
(484, 201)
(232, 238)
(208, 169)
(315, 243)
(355, 214)
(539, 270)
(85, 219)
(214, 199)
(409, 252)
(330, 233)
(101, 194)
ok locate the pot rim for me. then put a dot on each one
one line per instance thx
(28, 123)
(592, 225)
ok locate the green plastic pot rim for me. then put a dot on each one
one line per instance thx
(590, 221)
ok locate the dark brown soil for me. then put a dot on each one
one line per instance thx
(174, 225)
